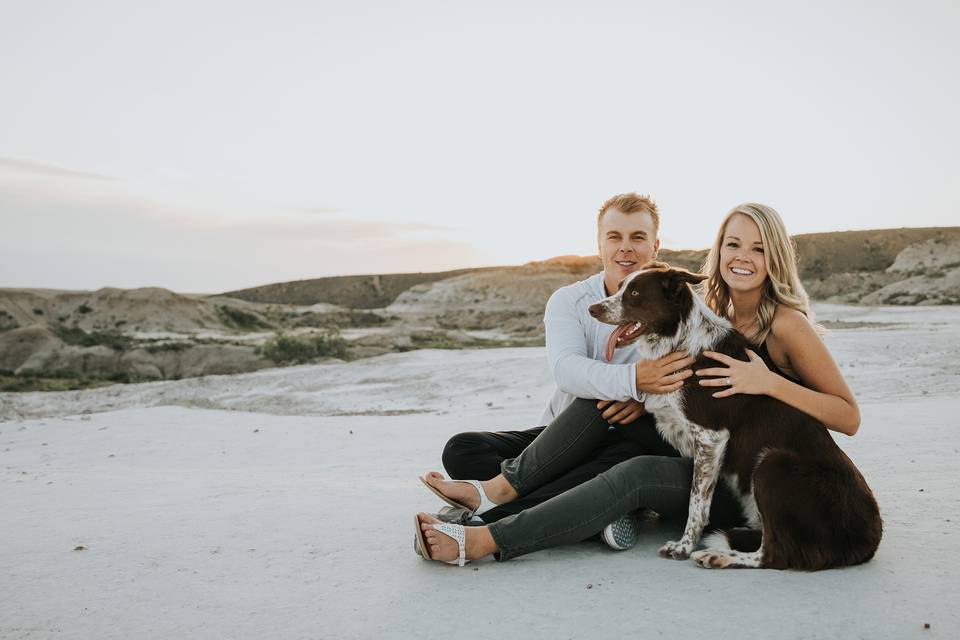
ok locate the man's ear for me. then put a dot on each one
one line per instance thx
(656, 249)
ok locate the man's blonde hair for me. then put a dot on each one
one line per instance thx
(631, 203)
(783, 284)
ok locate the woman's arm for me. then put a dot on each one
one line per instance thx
(828, 398)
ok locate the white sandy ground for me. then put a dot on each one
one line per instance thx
(279, 504)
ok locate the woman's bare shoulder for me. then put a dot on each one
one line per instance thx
(787, 321)
(793, 339)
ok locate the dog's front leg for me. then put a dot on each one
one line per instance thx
(708, 450)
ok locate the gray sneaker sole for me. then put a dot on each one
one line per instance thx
(622, 533)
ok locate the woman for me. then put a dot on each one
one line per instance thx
(754, 282)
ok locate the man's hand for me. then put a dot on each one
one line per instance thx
(621, 412)
(664, 375)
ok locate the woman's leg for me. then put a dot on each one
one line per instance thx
(564, 443)
(655, 482)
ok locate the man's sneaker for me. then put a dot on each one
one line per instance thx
(623, 532)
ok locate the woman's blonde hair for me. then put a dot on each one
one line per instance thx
(783, 284)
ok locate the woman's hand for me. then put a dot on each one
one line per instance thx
(621, 412)
(751, 377)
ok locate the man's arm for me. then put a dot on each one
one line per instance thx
(581, 376)
(574, 372)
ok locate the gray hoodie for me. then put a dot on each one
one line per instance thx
(575, 347)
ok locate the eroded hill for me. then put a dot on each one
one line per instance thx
(70, 339)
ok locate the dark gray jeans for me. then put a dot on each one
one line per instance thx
(661, 483)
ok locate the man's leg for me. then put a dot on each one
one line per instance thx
(639, 438)
(568, 439)
(477, 455)
(566, 442)
(575, 447)
(612, 451)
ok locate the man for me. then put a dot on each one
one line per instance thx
(627, 227)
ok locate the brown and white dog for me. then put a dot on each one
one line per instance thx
(807, 505)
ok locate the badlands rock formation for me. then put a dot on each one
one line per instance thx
(78, 338)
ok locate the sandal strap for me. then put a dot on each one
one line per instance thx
(457, 532)
(485, 503)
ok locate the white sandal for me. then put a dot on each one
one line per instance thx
(455, 531)
(485, 503)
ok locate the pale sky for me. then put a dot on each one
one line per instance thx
(206, 146)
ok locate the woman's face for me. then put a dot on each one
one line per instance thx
(742, 263)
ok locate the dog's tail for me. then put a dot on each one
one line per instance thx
(739, 539)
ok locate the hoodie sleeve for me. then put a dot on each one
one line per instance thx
(573, 370)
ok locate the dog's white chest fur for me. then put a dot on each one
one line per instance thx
(674, 426)
(701, 330)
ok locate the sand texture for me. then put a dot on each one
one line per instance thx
(278, 504)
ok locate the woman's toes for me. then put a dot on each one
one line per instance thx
(426, 520)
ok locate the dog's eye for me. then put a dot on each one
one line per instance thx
(634, 293)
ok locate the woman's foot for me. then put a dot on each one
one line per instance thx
(479, 542)
(498, 490)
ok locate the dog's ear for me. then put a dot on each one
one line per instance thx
(677, 279)
(692, 278)
(662, 266)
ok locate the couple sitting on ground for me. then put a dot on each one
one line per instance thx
(600, 460)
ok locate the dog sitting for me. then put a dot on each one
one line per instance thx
(807, 506)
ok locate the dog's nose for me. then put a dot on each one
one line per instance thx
(594, 310)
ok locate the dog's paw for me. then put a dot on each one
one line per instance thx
(711, 558)
(678, 550)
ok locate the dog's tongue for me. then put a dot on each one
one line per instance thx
(612, 341)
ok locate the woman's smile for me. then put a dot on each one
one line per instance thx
(742, 254)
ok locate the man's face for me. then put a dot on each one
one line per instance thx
(626, 243)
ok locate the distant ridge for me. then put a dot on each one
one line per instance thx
(376, 291)
(821, 256)
(357, 292)
(825, 254)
